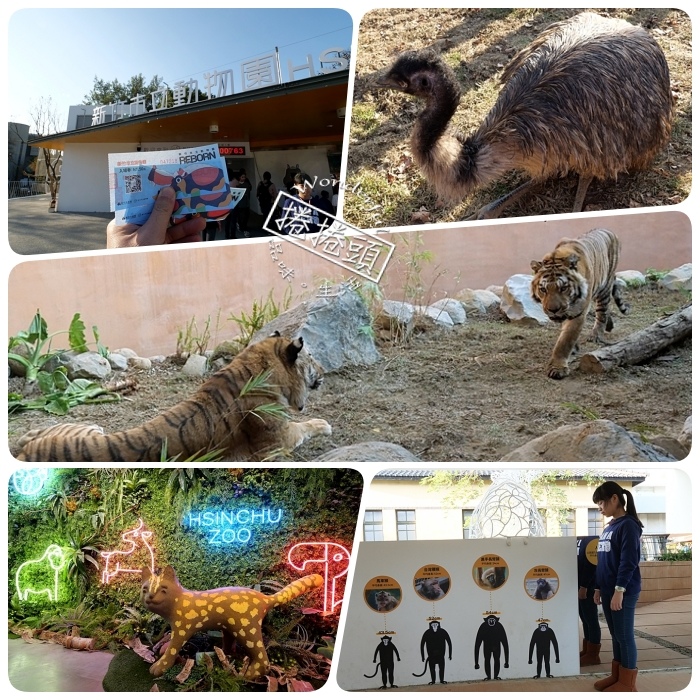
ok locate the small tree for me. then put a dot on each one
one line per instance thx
(106, 92)
(45, 121)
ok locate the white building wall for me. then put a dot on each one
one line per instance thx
(85, 183)
(84, 176)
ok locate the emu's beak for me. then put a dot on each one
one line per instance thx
(385, 81)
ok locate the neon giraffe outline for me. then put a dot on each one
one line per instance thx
(137, 532)
(326, 560)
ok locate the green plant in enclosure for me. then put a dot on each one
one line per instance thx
(262, 312)
(35, 344)
(191, 341)
(59, 394)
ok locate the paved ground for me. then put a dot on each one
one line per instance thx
(663, 637)
(33, 230)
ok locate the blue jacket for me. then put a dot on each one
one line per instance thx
(586, 568)
(619, 552)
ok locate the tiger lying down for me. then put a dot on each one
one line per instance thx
(567, 282)
(224, 414)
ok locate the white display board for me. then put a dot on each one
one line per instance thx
(494, 601)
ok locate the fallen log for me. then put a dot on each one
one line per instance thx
(641, 345)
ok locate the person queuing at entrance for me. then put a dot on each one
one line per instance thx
(242, 210)
(587, 609)
(298, 218)
(618, 581)
(156, 231)
(266, 193)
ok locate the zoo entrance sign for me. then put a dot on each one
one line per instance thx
(223, 527)
(255, 73)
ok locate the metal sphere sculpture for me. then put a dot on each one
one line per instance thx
(506, 510)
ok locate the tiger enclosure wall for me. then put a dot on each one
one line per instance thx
(524, 583)
(141, 299)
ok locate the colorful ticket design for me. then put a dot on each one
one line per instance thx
(198, 176)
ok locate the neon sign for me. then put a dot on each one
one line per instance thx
(119, 561)
(333, 558)
(231, 526)
(28, 482)
(47, 566)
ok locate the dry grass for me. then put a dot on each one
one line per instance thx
(478, 44)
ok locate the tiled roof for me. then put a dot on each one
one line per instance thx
(636, 475)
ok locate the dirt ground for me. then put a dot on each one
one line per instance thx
(469, 394)
(385, 187)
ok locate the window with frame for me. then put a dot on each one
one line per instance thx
(373, 526)
(595, 522)
(406, 524)
(567, 528)
(467, 514)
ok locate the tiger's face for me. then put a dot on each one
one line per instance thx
(302, 373)
(311, 374)
(559, 287)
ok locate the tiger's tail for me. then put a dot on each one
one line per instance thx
(296, 588)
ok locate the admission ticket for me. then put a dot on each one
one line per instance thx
(198, 176)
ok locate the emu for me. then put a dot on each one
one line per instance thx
(590, 95)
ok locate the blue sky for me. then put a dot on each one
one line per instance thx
(57, 52)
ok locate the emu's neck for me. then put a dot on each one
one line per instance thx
(433, 120)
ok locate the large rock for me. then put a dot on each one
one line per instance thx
(337, 330)
(518, 305)
(597, 441)
(686, 436)
(369, 452)
(679, 278)
(87, 365)
(480, 301)
(396, 314)
(453, 308)
(632, 278)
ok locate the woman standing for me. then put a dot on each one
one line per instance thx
(618, 581)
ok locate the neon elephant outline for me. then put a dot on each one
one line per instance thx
(107, 556)
(339, 556)
(53, 553)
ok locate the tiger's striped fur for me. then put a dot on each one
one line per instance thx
(221, 415)
(578, 272)
(237, 612)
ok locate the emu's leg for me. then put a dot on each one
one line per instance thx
(581, 190)
(494, 210)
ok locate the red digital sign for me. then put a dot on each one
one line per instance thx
(232, 150)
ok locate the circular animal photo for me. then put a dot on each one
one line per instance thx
(383, 594)
(541, 582)
(490, 572)
(431, 582)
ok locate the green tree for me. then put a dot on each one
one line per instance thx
(106, 92)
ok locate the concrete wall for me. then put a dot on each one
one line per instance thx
(476, 257)
(141, 298)
(662, 580)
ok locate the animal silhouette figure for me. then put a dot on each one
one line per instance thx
(590, 95)
(40, 572)
(238, 612)
(127, 560)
